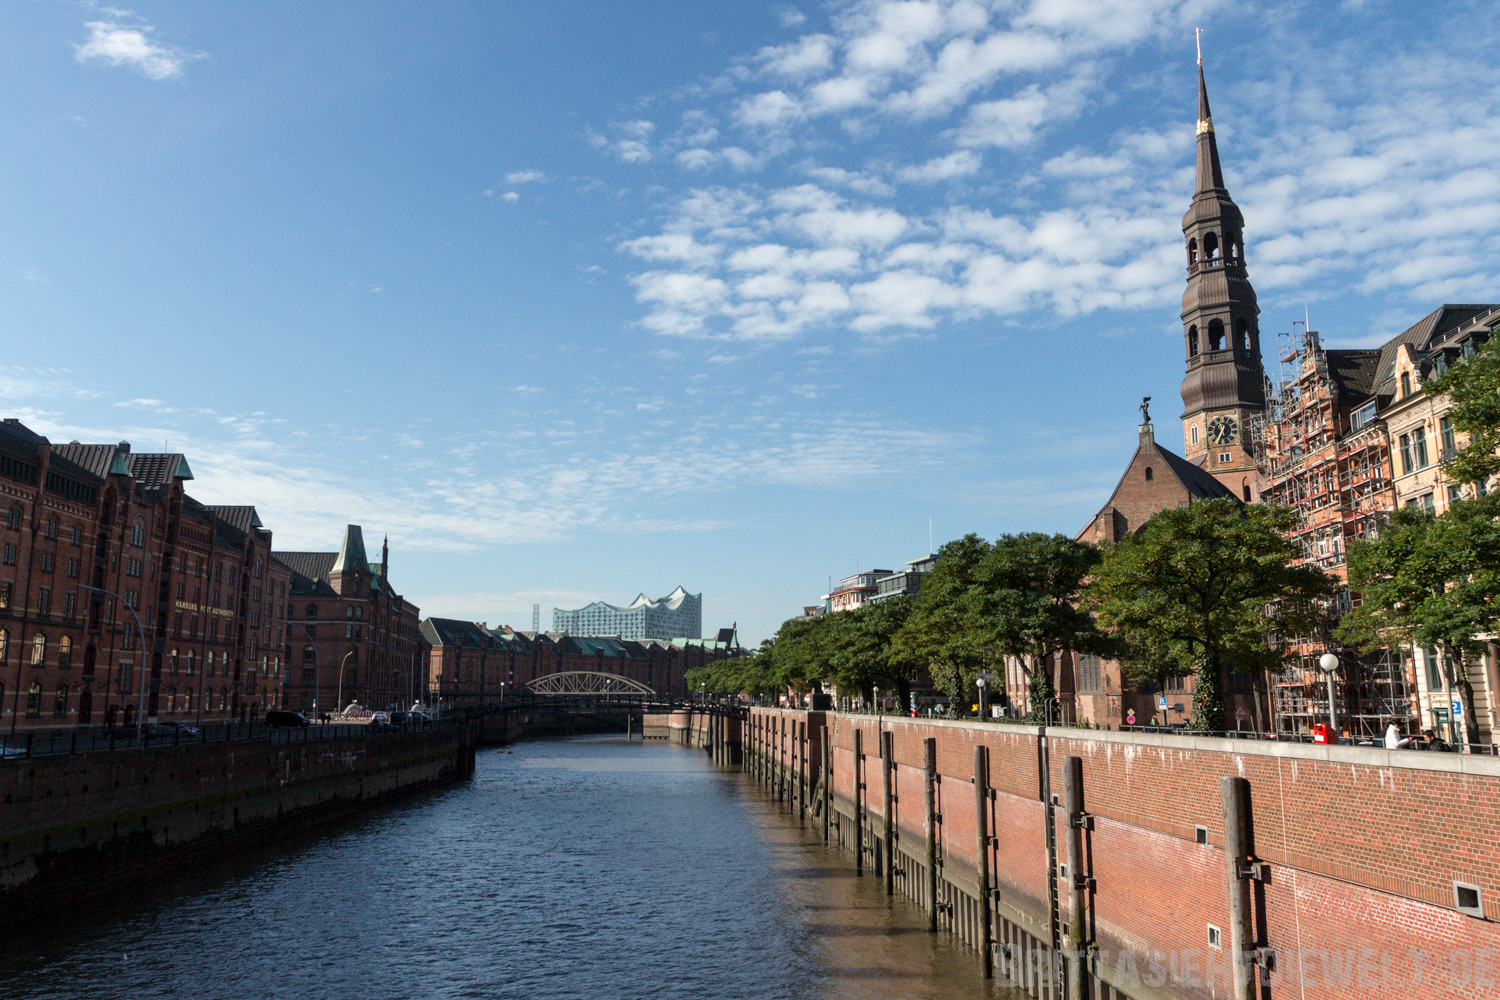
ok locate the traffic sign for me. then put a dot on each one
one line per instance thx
(1130, 717)
(1161, 702)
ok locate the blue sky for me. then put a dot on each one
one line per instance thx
(576, 300)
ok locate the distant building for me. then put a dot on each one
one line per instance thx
(679, 615)
(907, 583)
(854, 591)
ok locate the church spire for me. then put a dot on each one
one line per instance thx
(1210, 174)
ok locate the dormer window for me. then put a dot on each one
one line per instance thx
(1406, 384)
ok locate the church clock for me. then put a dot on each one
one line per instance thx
(1223, 430)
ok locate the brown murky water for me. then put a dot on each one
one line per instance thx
(567, 869)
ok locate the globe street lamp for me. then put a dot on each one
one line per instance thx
(342, 664)
(1328, 663)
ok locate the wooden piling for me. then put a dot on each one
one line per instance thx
(887, 800)
(982, 852)
(929, 826)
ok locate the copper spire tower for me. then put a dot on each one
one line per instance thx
(1225, 382)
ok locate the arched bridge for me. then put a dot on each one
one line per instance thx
(590, 683)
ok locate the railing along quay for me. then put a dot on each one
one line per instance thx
(59, 742)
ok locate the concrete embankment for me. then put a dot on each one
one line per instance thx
(73, 824)
(1154, 866)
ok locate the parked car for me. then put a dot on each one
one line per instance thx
(384, 718)
(279, 718)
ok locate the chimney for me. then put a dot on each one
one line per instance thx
(1148, 436)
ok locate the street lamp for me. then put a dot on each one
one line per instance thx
(876, 689)
(982, 682)
(317, 673)
(342, 664)
(140, 712)
(1328, 663)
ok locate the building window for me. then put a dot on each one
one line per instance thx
(172, 662)
(1148, 473)
(34, 701)
(60, 702)
(1427, 503)
(1419, 447)
(1406, 383)
(189, 668)
(13, 519)
(137, 534)
(49, 529)
(1223, 457)
(12, 554)
(1454, 494)
(1193, 433)
(1406, 465)
(70, 605)
(64, 653)
(1445, 429)
(76, 537)
(5, 594)
(4, 647)
(44, 601)
(1434, 671)
(187, 701)
(44, 562)
(1089, 673)
(73, 568)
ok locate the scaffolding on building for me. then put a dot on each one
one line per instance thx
(1314, 455)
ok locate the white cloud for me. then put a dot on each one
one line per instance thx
(963, 163)
(510, 196)
(122, 44)
(525, 177)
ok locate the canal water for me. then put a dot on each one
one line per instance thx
(589, 868)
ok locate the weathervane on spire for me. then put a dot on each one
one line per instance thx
(1198, 36)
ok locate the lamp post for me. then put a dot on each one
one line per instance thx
(1328, 663)
(317, 673)
(982, 682)
(140, 712)
(876, 690)
(342, 664)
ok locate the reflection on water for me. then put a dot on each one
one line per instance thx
(584, 868)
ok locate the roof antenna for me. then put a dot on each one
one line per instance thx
(929, 537)
(1198, 36)
(1306, 316)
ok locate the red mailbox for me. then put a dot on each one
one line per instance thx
(1322, 734)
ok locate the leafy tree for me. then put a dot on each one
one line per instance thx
(1025, 603)
(940, 629)
(1207, 586)
(1431, 581)
(1474, 386)
(859, 650)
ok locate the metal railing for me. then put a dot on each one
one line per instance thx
(35, 743)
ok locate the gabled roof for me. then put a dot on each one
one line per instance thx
(155, 469)
(242, 517)
(1135, 498)
(309, 570)
(100, 460)
(1423, 335)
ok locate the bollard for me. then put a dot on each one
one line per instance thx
(929, 826)
(982, 861)
(1239, 852)
(859, 801)
(887, 799)
(1078, 986)
(826, 752)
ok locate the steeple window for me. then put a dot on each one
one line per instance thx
(1231, 244)
(1192, 251)
(1192, 341)
(1216, 335)
(1242, 334)
(1211, 247)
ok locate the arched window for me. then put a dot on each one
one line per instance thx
(34, 700)
(138, 533)
(187, 702)
(38, 650)
(312, 611)
(190, 664)
(1148, 474)
(172, 662)
(60, 702)
(64, 653)
(1210, 247)
(4, 647)
(1246, 485)
(1231, 244)
(223, 699)
(1193, 433)
(13, 519)
(1192, 251)
(1216, 335)
(1192, 341)
(1242, 334)
(171, 700)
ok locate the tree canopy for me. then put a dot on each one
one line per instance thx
(1473, 384)
(1433, 582)
(1205, 588)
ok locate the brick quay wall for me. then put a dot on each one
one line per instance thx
(71, 825)
(1348, 861)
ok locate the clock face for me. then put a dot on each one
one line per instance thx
(1223, 430)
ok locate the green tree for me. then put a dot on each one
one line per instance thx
(940, 630)
(860, 654)
(1025, 602)
(1433, 582)
(1473, 384)
(1208, 587)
